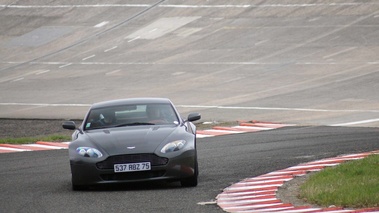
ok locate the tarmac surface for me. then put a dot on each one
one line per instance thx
(272, 192)
(304, 62)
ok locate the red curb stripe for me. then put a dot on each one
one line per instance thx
(354, 156)
(280, 205)
(56, 144)
(251, 208)
(237, 194)
(216, 131)
(326, 161)
(261, 183)
(25, 147)
(262, 178)
(263, 197)
(367, 210)
(288, 172)
(255, 189)
(230, 195)
(245, 197)
(334, 209)
(262, 125)
(255, 121)
(307, 209)
(265, 209)
(269, 209)
(254, 125)
(20, 147)
(305, 168)
(210, 132)
(249, 205)
(235, 129)
(8, 151)
(242, 203)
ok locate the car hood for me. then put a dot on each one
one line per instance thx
(130, 140)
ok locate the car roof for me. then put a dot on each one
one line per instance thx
(119, 102)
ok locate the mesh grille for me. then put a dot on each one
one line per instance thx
(132, 175)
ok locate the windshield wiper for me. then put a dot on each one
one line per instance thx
(134, 124)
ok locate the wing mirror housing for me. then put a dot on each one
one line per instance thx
(71, 125)
(194, 117)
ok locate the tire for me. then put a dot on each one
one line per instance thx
(192, 181)
(78, 187)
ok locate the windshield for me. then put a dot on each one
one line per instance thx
(131, 115)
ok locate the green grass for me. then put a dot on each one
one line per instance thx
(354, 184)
(28, 140)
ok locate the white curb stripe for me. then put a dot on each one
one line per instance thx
(239, 196)
(44, 146)
(13, 149)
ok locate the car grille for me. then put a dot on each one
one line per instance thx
(134, 158)
(132, 175)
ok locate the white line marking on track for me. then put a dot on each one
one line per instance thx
(233, 79)
(18, 79)
(112, 72)
(134, 39)
(73, 6)
(340, 52)
(112, 48)
(86, 58)
(276, 108)
(65, 65)
(356, 122)
(261, 6)
(260, 42)
(219, 107)
(153, 30)
(42, 72)
(101, 24)
(191, 63)
(314, 19)
(187, 6)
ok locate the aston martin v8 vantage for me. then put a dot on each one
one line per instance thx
(130, 140)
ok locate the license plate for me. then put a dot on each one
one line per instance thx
(132, 167)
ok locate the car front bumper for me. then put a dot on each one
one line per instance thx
(86, 172)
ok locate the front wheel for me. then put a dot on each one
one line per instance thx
(191, 181)
(78, 187)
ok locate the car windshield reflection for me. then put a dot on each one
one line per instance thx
(131, 115)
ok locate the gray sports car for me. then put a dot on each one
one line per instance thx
(139, 139)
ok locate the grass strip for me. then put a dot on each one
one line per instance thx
(353, 184)
(29, 140)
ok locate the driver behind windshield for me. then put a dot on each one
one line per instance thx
(101, 119)
(155, 115)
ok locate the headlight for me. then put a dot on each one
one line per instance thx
(89, 152)
(173, 146)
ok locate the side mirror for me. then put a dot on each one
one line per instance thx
(194, 117)
(69, 125)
